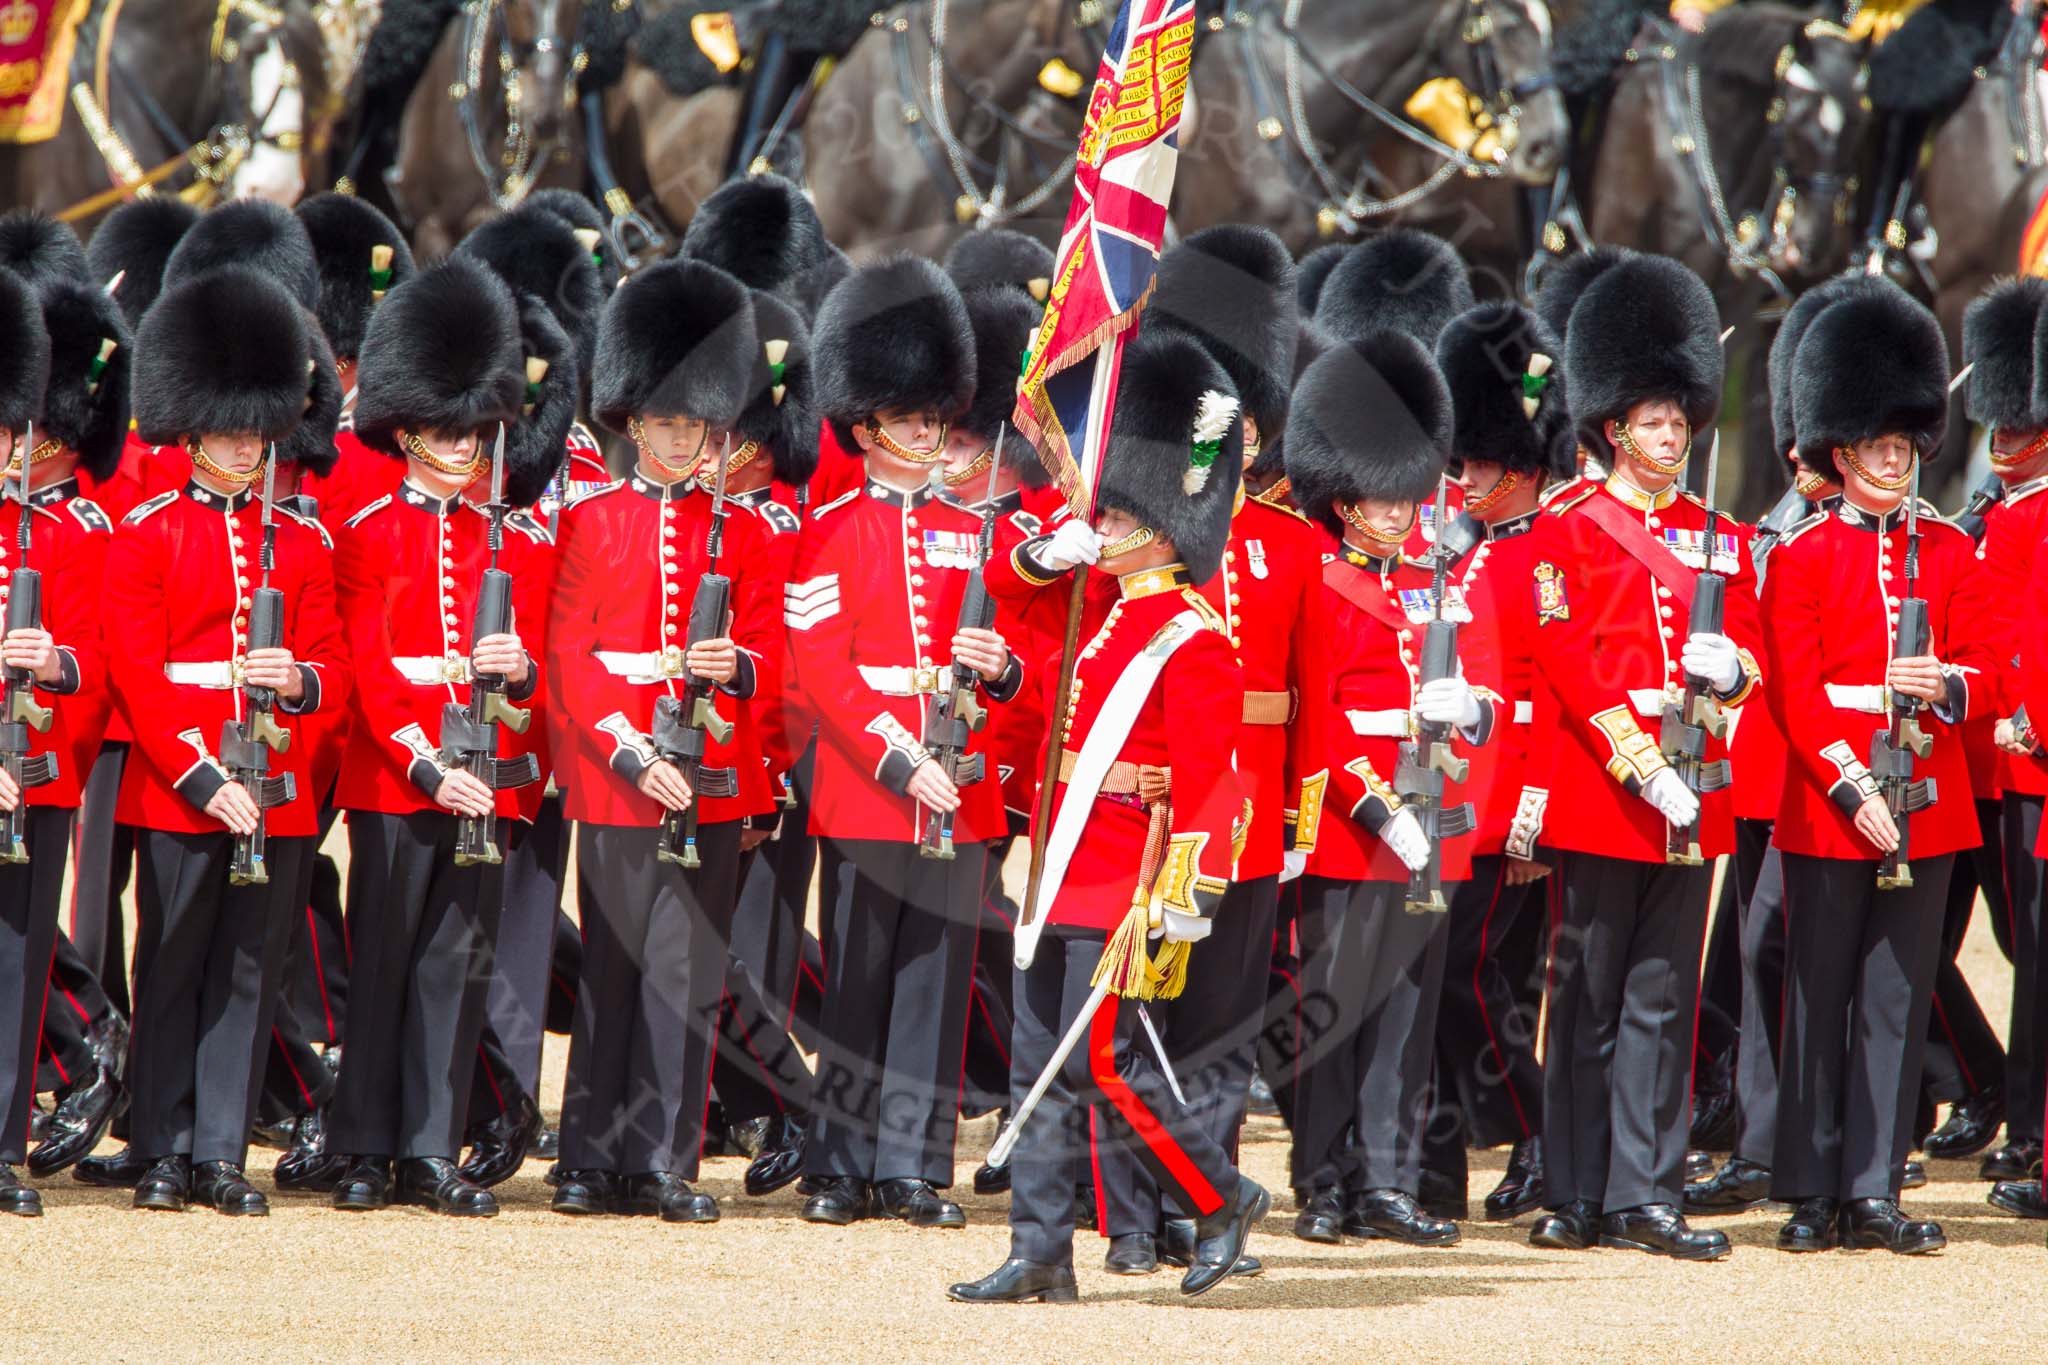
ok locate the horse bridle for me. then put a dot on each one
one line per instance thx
(519, 159)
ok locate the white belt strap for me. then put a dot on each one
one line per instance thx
(1865, 697)
(1392, 724)
(432, 670)
(1525, 712)
(220, 676)
(642, 667)
(1647, 701)
(901, 682)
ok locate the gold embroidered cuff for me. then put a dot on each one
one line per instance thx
(1180, 885)
(1304, 823)
(1635, 758)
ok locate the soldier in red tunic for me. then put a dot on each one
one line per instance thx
(1870, 383)
(1151, 846)
(227, 364)
(872, 608)
(1612, 595)
(676, 359)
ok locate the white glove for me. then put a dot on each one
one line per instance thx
(1075, 542)
(1712, 657)
(1292, 865)
(1404, 835)
(1448, 701)
(1673, 799)
(1185, 928)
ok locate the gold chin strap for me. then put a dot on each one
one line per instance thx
(1356, 520)
(639, 435)
(44, 450)
(2019, 457)
(417, 447)
(892, 446)
(206, 466)
(978, 465)
(1806, 485)
(1123, 545)
(1507, 483)
(1625, 438)
(1848, 457)
(742, 457)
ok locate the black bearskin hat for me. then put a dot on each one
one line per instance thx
(1401, 281)
(41, 249)
(781, 413)
(86, 404)
(227, 351)
(1498, 363)
(892, 335)
(1870, 363)
(1645, 329)
(1232, 287)
(254, 234)
(1998, 338)
(1003, 320)
(538, 253)
(761, 229)
(537, 445)
(1785, 347)
(1172, 394)
(1311, 272)
(27, 347)
(134, 242)
(312, 446)
(1002, 256)
(577, 211)
(442, 353)
(676, 342)
(1564, 280)
(347, 233)
(1371, 419)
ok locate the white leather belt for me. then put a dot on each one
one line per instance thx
(642, 667)
(1525, 712)
(1865, 697)
(1392, 724)
(1649, 701)
(432, 670)
(220, 676)
(902, 682)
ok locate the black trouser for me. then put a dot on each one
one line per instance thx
(1961, 1055)
(206, 992)
(1617, 1074)
(899, 957)
(422, 930)
(295, 1080)
(104, 856)
(1111, 1068)
(991, 1009)
(1716, 1032)
(77, 1002)
(316, 969)
(2026, 1049)
(1859, 972)
(1760, 882)
(654, 948)
(30, 894)
(1279, 1049)
(1211, 1034)
(1372, 975)
(536, 863)
(758, 1071)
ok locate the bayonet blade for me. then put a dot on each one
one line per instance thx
(718, 484)
(995, 463)
(21, 488)
(498, 468)
(1962, 376)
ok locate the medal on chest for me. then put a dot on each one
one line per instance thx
(1690, 549)
(1255, 553)
(1417, 604)
(951, 549)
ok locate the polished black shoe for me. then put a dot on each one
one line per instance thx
(17, 1198)
(1259, 1098)
(1395, 1216)
(1878, 1223)
(1698, 1165)
(1085, 1215)
(1176, 1242)
(581, 1192)
(1714, 1117)
(1811, 1226)
(1661, 1230)
(1219, 1252)
(165, 1185)
(1131, 1254)
(38, 1124)
(1321, 1219)
(547, 1146)
(436, 1183)
(1971, 1125)
(840, 1200)
(667, 1195)
(915, 1202)
(120, 1171)
(221, 1185)
(1019, 1282)
(994, 1179)
(83, 1115)
(2020, 1198)
(751, 1135)
(107, 1038)
(1914, 1174)
(1737, 1187)
(2014, 1161)
(365, 1185)
(780, 1162)
(1521, 1185)
(497, 1147)
(1442, 1196)
(1573, 1227)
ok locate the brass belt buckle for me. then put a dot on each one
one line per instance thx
(671, 661)
(454, 669)
(236, 667)
(923, 680)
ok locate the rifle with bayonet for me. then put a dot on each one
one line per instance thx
(469, 732)
(1983, 498)
(1427, 761)
(682, 724)
(23, 713)
(956, 710)
(1695, 716)
(246, 745)
(1893, 749)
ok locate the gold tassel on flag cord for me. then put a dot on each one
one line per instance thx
(1126, 968)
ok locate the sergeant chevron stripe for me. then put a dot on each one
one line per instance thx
(806, 604)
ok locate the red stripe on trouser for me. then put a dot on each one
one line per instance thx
(29, 1131)
(1095, 1170)
(305, 1095)
(1102, 1067)
(483, 1060)
(78, 1009)
(1479, 998)
(320, 972)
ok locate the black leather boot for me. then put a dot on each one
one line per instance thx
(221, 1185)
(1019, 1282)
(1521, 1185)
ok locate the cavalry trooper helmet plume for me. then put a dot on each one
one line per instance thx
(1645, 329)
(1401, 281)
(1003, 320)
(1371, 419)
(1002, 256)
(678, 341)
(1785, 348)
(133, 244)
(545, 259)
(1871, 364)
(27, 348)
(91, 358)
(781, 415)
(226, 352)
(764, 231)
(1232, 288)
(41, 249)
(1999, 331)
(447, 351)
(361, 256)
(1176, 450)
(1504, 372)
(893, 335)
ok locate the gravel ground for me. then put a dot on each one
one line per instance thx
(310, 1283)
